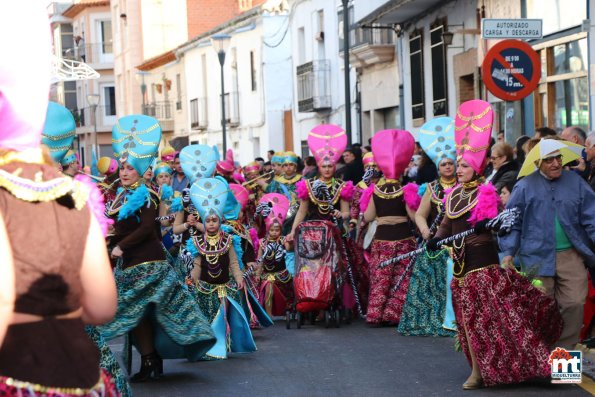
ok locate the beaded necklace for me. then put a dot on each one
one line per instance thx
(212, 247)
(388, 189)
(269, 259)
(462, 199)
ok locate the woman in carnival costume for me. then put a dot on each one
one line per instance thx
(58, 135)
(428, 308)
(503, 321)
(153, 303)
(276, 286)
(216, 276)
(391, 205)
(47, 294)
(326, 197)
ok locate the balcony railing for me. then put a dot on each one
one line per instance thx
(372, 36)
(232, 108)
(313, 80)
(90, 53)
(104, 116)
(198, 114)
(161, 110)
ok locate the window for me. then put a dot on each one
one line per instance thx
(439, 83)
(109, 95)
(106, 37)
(252, 71)
(564, 91)
(179, 92)
(417, 75)
(301, 46)
(70, 94)
(194, 113)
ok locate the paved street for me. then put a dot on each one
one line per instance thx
(353, 360)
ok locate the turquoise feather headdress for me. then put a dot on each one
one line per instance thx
(199, 161)
(209, 196)
(437, 139)
(59, 131)
(135, 140)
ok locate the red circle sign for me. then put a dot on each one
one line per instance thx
(511, 70)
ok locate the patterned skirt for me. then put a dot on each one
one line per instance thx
(108, 362)
(221, 305)
(509, 323)
(13, 387)
(360, 270)
(423, 313)
(385, 304)
(153, 289)
(276, 292)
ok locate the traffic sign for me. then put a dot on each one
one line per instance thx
(511, 70)
(511, 28)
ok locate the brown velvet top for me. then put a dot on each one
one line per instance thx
(48, 241)
(138, 235)
(389, 203)
(478, 250)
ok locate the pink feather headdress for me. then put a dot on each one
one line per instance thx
(327, 142)
(473, 130)
(240, 193)
(393, 150)
(280, 206)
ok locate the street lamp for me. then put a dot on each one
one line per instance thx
(220, 43)
(93, 101)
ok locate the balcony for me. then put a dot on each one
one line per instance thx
(313, 86)
(371, 46)
(162, 111)
(99, 55)
(104, 117)
(198, 114)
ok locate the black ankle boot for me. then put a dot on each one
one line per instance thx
(151, 366)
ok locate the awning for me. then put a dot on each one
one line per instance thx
(401, 11)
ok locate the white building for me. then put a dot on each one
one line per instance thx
(258, 88)
(317, 68)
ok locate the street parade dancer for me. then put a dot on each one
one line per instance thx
(48, 293)
(428, 308)
(153, 303)
(275, 290)
(326, 198)
(391, 206)
(58, 134)
(216, 278)
(503, 321)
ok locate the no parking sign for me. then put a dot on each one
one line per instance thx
(511, 70)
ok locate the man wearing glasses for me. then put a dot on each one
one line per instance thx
(555, 237)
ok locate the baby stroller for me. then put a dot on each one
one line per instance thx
(319, 272)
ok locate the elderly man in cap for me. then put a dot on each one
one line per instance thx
(555, 236)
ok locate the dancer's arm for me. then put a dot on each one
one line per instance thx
(7, 280)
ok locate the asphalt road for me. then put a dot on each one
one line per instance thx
(353, 360)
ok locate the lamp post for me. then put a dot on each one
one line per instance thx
(220, 43)
(93, 101)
